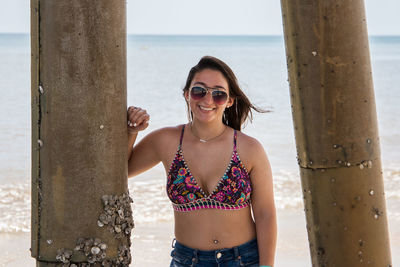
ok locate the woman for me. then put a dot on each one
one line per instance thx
(216, 175)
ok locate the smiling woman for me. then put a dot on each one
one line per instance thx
(220, 187)
(208, 106)
(213, 71)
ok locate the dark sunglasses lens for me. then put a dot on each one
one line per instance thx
(219, 97)
(197, 92)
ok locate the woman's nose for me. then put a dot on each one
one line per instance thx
(208, 98)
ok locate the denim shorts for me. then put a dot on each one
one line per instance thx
(242, 255)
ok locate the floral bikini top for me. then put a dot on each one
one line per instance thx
(232, 192)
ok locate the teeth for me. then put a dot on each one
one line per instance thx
(208, 109)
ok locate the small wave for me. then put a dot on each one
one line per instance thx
(392, 184)
(287, 191)
(15, 207)
(151, 203)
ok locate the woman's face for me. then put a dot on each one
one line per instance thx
(205, 109)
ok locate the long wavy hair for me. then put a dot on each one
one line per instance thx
(240, 111)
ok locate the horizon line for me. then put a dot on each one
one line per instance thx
(205, 35)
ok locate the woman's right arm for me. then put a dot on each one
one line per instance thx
(131, 142)
(144, 155)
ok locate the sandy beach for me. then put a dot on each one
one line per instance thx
(152, 244)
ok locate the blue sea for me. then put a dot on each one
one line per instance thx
(157, 69)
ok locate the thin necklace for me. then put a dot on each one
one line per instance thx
(203, 140)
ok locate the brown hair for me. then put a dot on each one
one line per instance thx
(240, 111)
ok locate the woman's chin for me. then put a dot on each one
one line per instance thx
(206, 115)
(206, 118)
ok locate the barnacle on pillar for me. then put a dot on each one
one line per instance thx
(117, 214)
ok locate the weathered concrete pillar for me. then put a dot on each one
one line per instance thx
(336, 132)
(80, 209)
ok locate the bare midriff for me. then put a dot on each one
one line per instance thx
(210, 229)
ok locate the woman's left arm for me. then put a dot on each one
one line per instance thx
(263, 204)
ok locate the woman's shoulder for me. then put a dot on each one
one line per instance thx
(248, 142)
(249, 148)
(166, 134)
(169, 130)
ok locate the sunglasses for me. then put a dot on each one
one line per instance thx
(219, 96)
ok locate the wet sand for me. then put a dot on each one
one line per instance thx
(152, 244)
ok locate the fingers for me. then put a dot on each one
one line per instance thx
(134, 110)
(137, 118)
(141, 119)
(131, 113)
(142, 126)
(138, 115)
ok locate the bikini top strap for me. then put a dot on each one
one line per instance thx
(234, 139)
(180, 140)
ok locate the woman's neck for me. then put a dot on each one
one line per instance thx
(207, 130)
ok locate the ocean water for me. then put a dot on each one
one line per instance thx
(157, 69)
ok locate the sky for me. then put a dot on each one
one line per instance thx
(213, 17)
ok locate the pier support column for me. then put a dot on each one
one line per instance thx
(336, 132)
(80, 206)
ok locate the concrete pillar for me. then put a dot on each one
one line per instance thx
(80, 207)
(336, 131)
